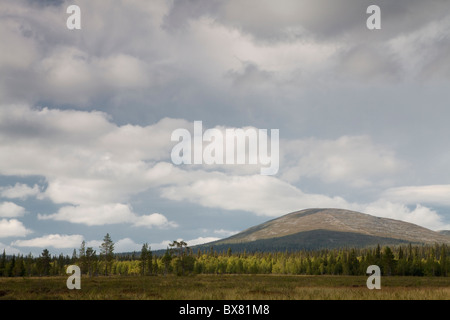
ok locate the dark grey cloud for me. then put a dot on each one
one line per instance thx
(251, 75)
(46, 3)
(293, 19)
(368, 62)
(437, 66)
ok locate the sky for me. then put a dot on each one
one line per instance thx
(86, 116)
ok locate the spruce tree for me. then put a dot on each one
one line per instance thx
(10, 267)
(443, 260)
(45, 260)
(90, 260)
(3, 263)
(388, 261)
(144, 254)
(149, 261)
(19, 267)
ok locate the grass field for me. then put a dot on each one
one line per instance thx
(226, 287)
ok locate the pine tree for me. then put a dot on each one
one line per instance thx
(82, 257)
(107, 252)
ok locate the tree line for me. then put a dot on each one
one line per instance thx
(179, 259)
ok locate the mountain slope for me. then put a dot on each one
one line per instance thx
(444, 232)
(329, 228)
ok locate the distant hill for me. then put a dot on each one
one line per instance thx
(444, 232)
(313, 229)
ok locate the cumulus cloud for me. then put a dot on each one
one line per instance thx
(20, 191)
(420, 215)
(368, 62)
(94, 244)
(261, 195)
(8, 249)
(11, 210)
(13, 228)
(353, 160)
(85, 158)
(422, 51)
(96, 166)
(153, 220)
(127, 245)
(193, 242)
(92, 216)
(53, 64)
(200, 240)
(57, 241)
(432, 194)
(113, 213)
(224, 233)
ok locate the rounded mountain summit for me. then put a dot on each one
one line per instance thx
(313, 229)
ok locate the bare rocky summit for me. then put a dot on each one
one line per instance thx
(328, 227)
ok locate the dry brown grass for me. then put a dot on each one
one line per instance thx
(226, 287)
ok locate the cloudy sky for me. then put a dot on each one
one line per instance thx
(86, 116)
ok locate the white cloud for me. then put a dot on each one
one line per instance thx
(261, 195)
(193, 242)
(160, 245)
(431, 194)
(92, 216)
(354, 160)
(69, 70)
(126, 245)
(94, 244)
(419, 215)
(86, 159)
(200, 240)
(11, 210)
(12, 228)
(423, 51)
(51, 240)
(51, 63)
(225, 233)
(8, 249)
(153, 220)
(112, 213)
(20, 191)
(271, 196)
(95, 166)
(122, 245)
